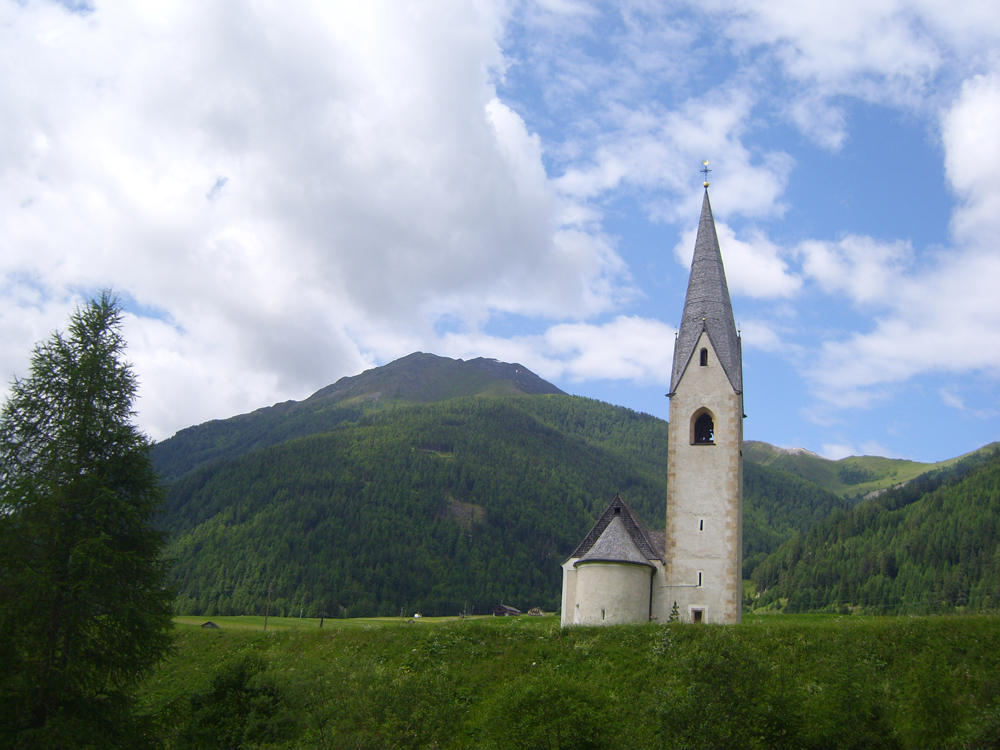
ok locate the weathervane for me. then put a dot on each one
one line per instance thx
(705, 170)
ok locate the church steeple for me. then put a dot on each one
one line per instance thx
(707, 308)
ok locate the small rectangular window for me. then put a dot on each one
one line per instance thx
(697, 615)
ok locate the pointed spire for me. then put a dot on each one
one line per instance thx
(707, 307)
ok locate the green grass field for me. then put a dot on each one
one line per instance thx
(252, 622)
(775, 681)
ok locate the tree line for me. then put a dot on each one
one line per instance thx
(932, 545)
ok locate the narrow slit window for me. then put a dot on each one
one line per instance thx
(704, 357)
(699, 577)
(701, 525)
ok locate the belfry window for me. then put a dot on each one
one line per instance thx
(704, 358)
(704, 430)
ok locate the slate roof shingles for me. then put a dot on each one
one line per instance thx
(707, 307)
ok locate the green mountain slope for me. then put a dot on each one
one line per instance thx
(932, 545)
(472, 500)
(853, 477)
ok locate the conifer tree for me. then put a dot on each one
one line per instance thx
(85, 611)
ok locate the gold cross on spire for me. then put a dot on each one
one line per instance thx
(705, 170)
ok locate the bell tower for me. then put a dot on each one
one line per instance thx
(704, 530)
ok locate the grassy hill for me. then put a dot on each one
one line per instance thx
(854, 477)
(510, 683)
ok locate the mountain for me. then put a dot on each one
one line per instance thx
(427, 484)
(931, 545)
(854, 477)
(415, 379)
(424, 378)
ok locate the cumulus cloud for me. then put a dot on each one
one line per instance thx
(822, 121)
(760, 334)
(837, 451)
(754, 265)
(285, 194)
(862, 267)
(939, 317)
(972, 158)
(945, 320)
(656, 148)
(888, 52)
(298, 194)
(625, 348)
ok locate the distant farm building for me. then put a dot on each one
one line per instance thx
(504, 611)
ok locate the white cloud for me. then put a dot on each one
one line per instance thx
(944, 320)
(884, 51)
(972, 159)
(754, 266)
(654, 148)
(864, 268)
(822, 122)
(944, 317)
(301, 192)
(832, 41)
(837, 451)
(873, 448)
(761, 335)
(625, 348)
(952, 399)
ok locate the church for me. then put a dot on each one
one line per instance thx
(622, 571)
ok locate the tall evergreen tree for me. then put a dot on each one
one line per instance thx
(85, 611)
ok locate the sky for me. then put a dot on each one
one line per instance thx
(286, 193)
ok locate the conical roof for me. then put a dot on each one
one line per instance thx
(615, 545)
(707, 308)
(644, 540)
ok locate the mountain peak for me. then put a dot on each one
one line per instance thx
(423, 378)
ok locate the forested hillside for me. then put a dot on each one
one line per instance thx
(434, 506)
(933, 545)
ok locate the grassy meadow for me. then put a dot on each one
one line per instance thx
(776, 681)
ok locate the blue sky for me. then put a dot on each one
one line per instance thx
(287, 193)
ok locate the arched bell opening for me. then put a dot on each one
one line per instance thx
(702, 428)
